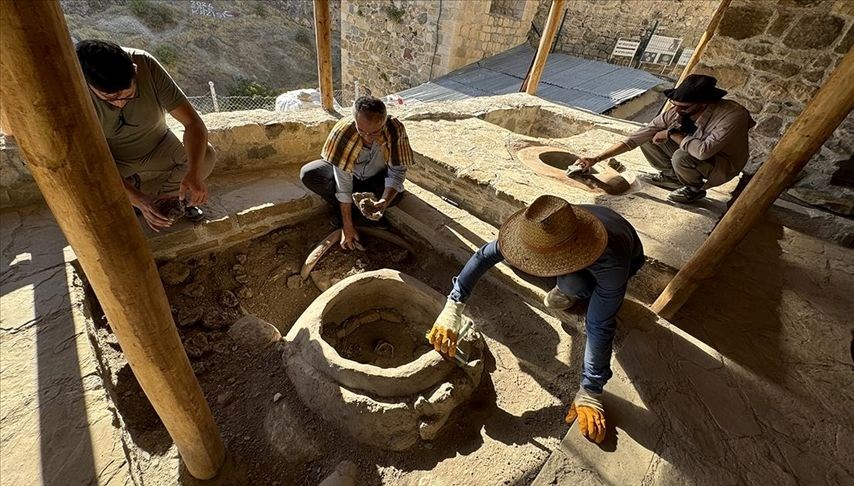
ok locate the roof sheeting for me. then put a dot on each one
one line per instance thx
(570, 81)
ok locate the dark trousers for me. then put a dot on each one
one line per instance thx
(319, 178)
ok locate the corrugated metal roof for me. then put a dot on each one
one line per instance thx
(570, 81)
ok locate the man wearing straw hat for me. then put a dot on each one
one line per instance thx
(593, 252)
(700, 142)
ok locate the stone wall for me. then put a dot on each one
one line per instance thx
(389, 46)
(591, 29)
(772, 56)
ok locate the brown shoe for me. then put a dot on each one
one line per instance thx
(557, 300)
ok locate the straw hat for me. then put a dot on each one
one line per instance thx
(551, 237)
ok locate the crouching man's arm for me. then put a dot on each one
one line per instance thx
(193, 188)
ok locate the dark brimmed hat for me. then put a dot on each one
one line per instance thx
(551, 237)
(696, 88)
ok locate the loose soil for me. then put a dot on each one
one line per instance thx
(502, 436)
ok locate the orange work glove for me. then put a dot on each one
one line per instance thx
(446, 330)
(587, 408)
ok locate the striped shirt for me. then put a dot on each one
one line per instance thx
(370, 163)
(343, 146)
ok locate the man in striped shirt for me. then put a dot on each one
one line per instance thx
(368, 152)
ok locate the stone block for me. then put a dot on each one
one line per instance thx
(743, 22)
(782, 68)
(770, 127)
(815, 32)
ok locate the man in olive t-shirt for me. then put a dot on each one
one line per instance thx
(132, 93)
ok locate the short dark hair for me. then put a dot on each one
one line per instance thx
(369, 104)
(106, 66)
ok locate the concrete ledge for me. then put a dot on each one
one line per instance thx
(241, 207)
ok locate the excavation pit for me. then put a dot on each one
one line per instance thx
(358, 357)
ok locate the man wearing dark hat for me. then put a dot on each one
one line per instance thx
(593, 252)
(700, 142)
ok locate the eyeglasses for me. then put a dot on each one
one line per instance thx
(110, 98)
(370, 134)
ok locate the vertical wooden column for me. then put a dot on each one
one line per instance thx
(546, 40)
(831, 104)
(49, 109)
(323, 39)
(701, 46)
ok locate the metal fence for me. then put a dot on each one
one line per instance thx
(213, 103)
(205, 104)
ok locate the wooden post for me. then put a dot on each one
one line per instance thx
(831, 104)
(323, 38)
(701, 46)
(51, 113)
(533, 80)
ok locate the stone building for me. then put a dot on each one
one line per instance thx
(772, 57)
(389, 46)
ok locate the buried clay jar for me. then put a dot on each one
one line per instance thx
(357, 356)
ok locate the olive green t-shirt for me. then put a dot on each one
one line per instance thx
(134, 131)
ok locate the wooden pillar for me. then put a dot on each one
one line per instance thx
(323, 39)
(58, 133)
(533, 80)
(831, 104)
(701, 46)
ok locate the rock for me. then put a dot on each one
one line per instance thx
(194, 290)
(253, 333)
(241, 278)
(287, 434)
(277, 397)
(225, 397)
(199, 368)
(189, 317)
(742, 22)
(221, 347)
(345, 474)
(323, 280)
(238, 268)
(174, 273)
(241, 258)
(228, 299)
(294, 281)
(818, 31)
(215, 320)
(244, 293)
(197, 345)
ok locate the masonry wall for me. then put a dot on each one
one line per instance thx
(389, 46)
(591, 28)
(772, 56)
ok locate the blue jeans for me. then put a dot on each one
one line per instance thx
(604, 283)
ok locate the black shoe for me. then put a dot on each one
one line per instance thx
(662, 180)
(686, 195)
(194, 214)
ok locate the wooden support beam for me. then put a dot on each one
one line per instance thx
(323, 38)
(804, 138)
(533, 80)
(701, 46)
(54, 121)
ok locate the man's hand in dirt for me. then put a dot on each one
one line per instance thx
(586, 162)
(349, 237)
(446, 330)
(588, 409)
(147, 206)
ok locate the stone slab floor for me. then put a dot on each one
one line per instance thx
(751, 383)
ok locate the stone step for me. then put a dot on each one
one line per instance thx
(240, 207)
